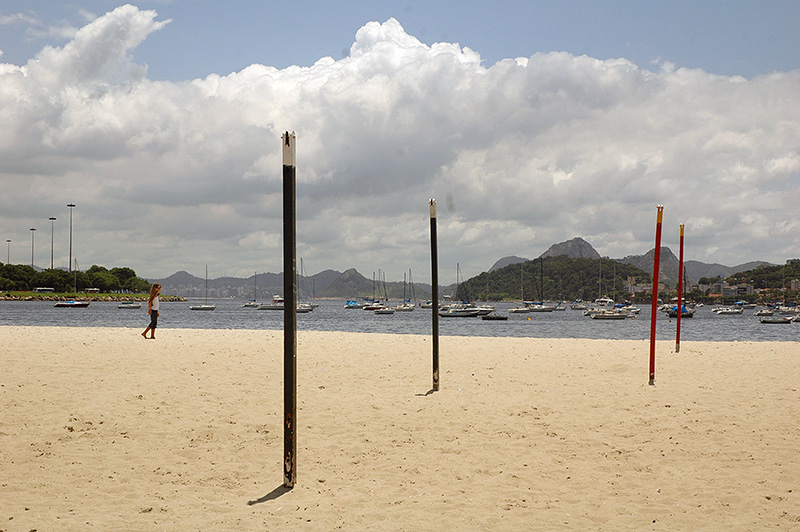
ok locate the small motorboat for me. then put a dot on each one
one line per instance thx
(277, 304)
(609, 315)
(130, 304)
(203, 307)
(776, 319)
(72, 304)
(493, 316)
(722, 311)
(456, 312)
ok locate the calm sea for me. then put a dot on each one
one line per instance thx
(331, 316)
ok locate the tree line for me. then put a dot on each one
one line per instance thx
(563, 278)
(21, 278)
(553, 278)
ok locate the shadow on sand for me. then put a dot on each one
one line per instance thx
(271, 496)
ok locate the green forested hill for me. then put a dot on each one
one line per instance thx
(553, 278)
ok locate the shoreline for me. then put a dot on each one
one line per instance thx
(87, 297)
(103, 429)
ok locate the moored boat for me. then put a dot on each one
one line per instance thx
(204, 306)
(685, 312)
(72, 304)
(276, 304)
(727, 310)
(458, 312)
(776, 319)
(607, 314)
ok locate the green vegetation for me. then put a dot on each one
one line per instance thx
(772, 282)
(554, 278)
(768, 277)
(16, 277)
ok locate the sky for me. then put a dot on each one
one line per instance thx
(529, 122)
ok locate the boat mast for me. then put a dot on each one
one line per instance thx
(600, 288)
(541, 279)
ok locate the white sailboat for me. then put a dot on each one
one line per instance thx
(407, 305)
(253, 303)
(204, 306)
(524, 309)
(305, 306)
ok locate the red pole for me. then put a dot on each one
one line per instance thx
(680, 297)
(654, 305)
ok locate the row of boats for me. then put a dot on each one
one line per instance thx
(279, 303)
(601, 309)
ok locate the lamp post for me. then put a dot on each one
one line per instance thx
(8, 251)
(52, 224)
(33, 232)
(71, 206)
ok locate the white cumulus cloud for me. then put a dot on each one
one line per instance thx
(522, 154)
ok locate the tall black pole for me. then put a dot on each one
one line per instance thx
(289, 312)
(435, 296)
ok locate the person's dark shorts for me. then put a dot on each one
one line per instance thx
(153, 319)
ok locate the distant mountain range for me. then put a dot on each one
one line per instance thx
(351, 284)
(668, 270)
(326, 284)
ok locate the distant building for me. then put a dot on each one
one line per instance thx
(727, 290)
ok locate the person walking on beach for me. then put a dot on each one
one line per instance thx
(152, 309)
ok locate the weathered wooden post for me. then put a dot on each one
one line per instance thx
(680, 296)
(654, 305)
(434, 296)
(289, 312)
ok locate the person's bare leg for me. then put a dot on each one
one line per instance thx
(145, 332)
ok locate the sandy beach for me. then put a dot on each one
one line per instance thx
(103, 430)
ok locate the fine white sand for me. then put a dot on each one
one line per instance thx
(103, 430)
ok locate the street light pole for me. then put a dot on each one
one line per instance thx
(8, 251)
(71, 206)
(33, 232)
(52, 224)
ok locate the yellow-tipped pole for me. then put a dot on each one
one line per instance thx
(654, 304)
